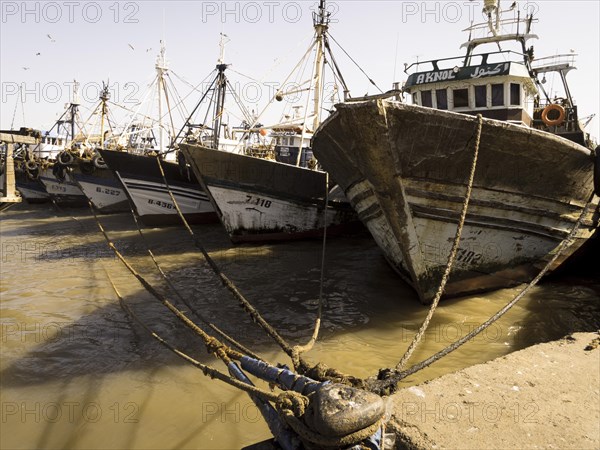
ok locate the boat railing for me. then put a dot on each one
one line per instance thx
(484, 58)
(510, 26)
(555, 63)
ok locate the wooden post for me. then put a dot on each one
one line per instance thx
(9, 191)
(11, 195)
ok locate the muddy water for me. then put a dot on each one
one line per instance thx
(77, 373)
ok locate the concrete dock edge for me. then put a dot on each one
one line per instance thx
(545, 396)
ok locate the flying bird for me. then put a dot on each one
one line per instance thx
(131, 47)
(148, 49)
(50, 37)
(38, 54)
(513, 6)
(26, 68)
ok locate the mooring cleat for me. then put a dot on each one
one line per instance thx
(339, 410)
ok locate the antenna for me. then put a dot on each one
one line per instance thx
(222, 43)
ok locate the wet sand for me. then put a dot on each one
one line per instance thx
(545, 396)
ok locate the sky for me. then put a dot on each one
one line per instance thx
(44, 46)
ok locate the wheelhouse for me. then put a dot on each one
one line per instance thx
(502, 84)
(498, 90)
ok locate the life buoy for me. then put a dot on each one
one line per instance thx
(553, 122)
(99, 162)
(65, 158)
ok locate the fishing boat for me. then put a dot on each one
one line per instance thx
(260, 199)
(135, 166)
(54, 159)
(405, 167)
(89, 171)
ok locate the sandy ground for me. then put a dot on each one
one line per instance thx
(546, 396)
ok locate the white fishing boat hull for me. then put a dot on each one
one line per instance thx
(64, 192)
(263, 200)
(404, 169)
(102, 188)
(149, 194)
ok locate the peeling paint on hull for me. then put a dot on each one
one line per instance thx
(404, 169)
(261, 200)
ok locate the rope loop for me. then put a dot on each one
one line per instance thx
(292, 403)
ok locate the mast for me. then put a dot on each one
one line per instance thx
(161, 69)
(104, 97)
(221, 88)
(321, 23)
(74, 107)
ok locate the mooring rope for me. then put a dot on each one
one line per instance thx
(388, 385)
(322, 441)
(453, 252)
(213, 345)
(206, 369)
(299, 349)
(214, 327)
(246, 305)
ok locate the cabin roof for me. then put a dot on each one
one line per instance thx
(468, 74)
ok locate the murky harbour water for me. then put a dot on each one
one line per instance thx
(77, 373)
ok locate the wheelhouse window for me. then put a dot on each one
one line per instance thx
(497, 95)
(426, 99)
(441, 96)
(480, 96)
(515, 94)
(461, 98)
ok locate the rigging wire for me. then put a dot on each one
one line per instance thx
(355, 63)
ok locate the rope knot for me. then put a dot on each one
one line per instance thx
(292, 402)
(213, 345)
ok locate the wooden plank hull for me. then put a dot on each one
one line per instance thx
(405, 168)
(144, 186)
(262, 200)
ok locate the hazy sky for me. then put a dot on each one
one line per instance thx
(46, 45)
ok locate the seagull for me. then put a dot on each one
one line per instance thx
(513, 6)
(131, 47)
(50, 37)
(38, 54)
(148, 49)
(26, 68)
